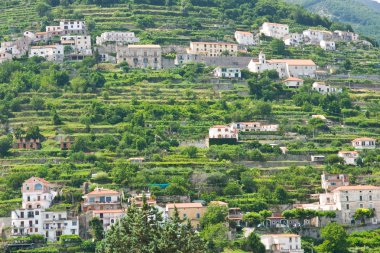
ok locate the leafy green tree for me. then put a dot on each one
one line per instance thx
(97, 230)
(252, 218)
(254, 244)
(363, 213)
(143, 230)
(56, 119)
(214, 214)
(232, 188)
(37, 103)
(278, 47)
(335, 239)
(191, 152)
(5, 145)
(265, 213)
(281, 195)
(33, 132)
(216, 236)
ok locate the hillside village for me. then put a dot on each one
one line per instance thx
(260, 138)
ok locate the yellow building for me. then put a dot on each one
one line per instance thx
(191, 211)
(212, 48)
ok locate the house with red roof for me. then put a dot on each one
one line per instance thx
(101, 199)
(364, 143)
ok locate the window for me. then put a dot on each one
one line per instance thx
(347, 206)
(38, 187)
(28, 198)
(347, 198)
(184, 216)
(36, 222)
(102, 199)
(36, 213)
(361, 205)
(198, 215)
(47, 216)
(108, 199)
(370, 198)
(92, 200)
(74, 223)
(101, 215)
(361, 198)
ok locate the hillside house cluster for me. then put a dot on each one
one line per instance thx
(345, 199)
(285, 67)
(35, 216)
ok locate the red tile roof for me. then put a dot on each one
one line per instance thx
(364, 139)
(183, 205)
(357, 187)
(100, 191)
(108, 211)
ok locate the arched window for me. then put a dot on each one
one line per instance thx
(38, 187)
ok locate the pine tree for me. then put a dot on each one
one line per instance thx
(143, 230)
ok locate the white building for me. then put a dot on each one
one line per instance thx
(117, 37)
(349, 157)
(14, 49)
(274, 30)
(293, 39)
(347, 199)
(49, 52)
(346, 36)
(284, 67)
(108, 217)
(212, 48)
(324, 88)
(293, 82)
(35, 217)
(244, 38)
(227, 72)
(327, 45)
(364, 143)
(80, 44)
(281, 243)
(66, 27)
(254, 127)
(312, 36)
(223, 132)
(140, 56)
(101, 199)
(5, 56)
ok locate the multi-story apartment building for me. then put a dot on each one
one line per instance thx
(191, 211)
(68, 27)
(35, 217)
(347, 199)
(312, 36)
(274, 30)
(49, 52)
(80, 44)
(284, 67)
(213, 48)
(117, 37)
(108, 217)
(281, 243)
(140, 56)
(101, 199)
(244, 38)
